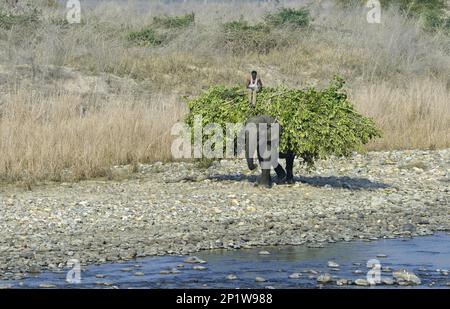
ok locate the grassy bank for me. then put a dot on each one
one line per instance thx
(397, 72)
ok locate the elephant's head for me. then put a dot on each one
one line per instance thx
(254, 134)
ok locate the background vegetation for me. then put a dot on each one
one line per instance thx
(397, 72)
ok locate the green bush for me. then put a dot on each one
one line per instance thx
(288, 17)
(146, 36)
(171, 22)
(432, 12)
(411, 6)
(316, 123)
(241, 37)
(27, 17)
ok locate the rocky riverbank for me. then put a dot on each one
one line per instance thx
(178, 208)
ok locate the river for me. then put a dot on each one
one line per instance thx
(428, 257)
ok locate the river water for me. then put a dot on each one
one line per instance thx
(428, 257)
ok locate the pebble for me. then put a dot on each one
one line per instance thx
(231, 277)
(139, 273)
(260, 279)
(387, 281)
(342, 282)
(361, 282)
(405, 277)
(409, 227)
(295, 276)
(386, 269)
(325, 278)
(47, 286)
(199, 267)
(263, 252)
(333, 264)
(105, 283)
(194, 260)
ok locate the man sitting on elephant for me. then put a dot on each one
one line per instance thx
(254, 85)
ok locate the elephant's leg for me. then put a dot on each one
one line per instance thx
(289, 168)
(281, 174)
(264, 179)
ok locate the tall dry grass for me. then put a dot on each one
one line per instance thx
(396, 73)
(48, 138)
(414, 116)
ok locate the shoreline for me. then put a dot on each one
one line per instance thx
(177, 208)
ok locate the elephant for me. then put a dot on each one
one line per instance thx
(264, 135)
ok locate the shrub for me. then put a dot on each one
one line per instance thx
(241, 37)
(27, 17)
(171, 22)
(146, 36)
(315, 123)
(288, 17)
(432, 12)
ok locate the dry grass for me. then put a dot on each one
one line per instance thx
(47, 138)
(396, 72)
(414, 116)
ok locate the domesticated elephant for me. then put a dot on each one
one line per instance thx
(265, 140)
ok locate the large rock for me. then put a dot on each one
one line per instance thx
(407, 278)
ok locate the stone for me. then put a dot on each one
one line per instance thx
(260, 279)
(194, 260)
(199, 267)
(231, 277)
(325, 278)
(295, 276)
(333, 264)
(409, 227)
(406, 278)
(342, 282)
(387, 281)
(263, 252)
(47, 286)
(361, 282)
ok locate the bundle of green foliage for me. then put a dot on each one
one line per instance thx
(315, 123)
(288, 17)
(171, 22)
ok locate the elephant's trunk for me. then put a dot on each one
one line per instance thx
(249, 153)
(251, 163)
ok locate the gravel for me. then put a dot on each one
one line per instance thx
(178, 208)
